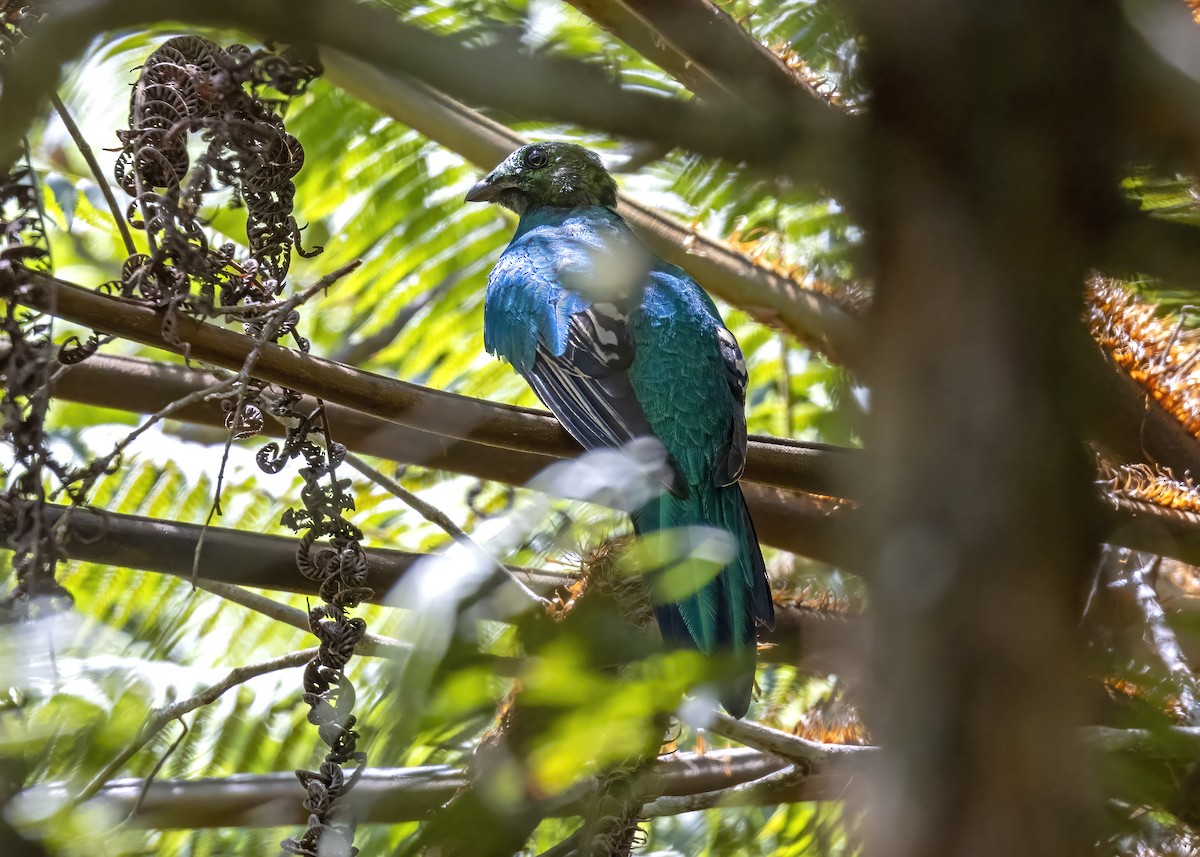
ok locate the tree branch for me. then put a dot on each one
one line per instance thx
(813, 318)
(808, 754)
(1137, 572)
(794, 522)
(774, 787)
(371, 646)
(626, 24)
(159, 718)
(437, 517)
(822, 641)
(393, 795)
(809, 142)
(693, 40)
(89, 156)
(388, 796)
(784, 463)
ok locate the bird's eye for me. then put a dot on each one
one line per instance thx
(536, 158)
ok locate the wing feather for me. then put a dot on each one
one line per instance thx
(558, 308)
(734, 461)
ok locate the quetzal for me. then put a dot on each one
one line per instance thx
(619, 344)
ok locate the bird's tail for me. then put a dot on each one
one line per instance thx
(719, 617)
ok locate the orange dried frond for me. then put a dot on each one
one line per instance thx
(564, 598)
(834, 721)
(492, 737)
(765, 249)
(1146, 485)
(816, 599)
(1123, 689)
(1194, 5)
(820, 86)
(829, 504)
(1157, 352)
(601, 571)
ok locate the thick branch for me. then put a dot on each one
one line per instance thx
(794, 522)
(822, 641)
(228, 556)
(782, 519)
(524, 85)
(404, 794)
(410, 794)
(784, 463)
(634, 30)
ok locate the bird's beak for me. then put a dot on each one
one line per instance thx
(488, 188)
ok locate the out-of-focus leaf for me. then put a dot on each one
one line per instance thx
(678, 562)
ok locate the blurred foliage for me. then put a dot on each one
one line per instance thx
(375, 191)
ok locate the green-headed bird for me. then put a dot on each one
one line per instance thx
(621, 345)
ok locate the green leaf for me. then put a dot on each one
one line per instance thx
(679, 562)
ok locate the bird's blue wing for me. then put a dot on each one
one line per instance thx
(574, 351)
(587, 385)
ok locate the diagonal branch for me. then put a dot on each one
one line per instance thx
(1137, 572)
(788, 464)
(812, 317)
(371, 646)
(633, 29)
(701, 46)
(436, 516)
(159, 718)
(85, 149)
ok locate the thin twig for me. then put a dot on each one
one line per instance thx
(100, 465)
(159, 718)
(436, 516)
(162, 760)
(277, 317)
(372, 645)
(85, 149)
(750, 792)
(355, 352)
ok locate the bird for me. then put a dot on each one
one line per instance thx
(621, 345)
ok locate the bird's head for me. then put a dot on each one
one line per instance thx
(560, 175)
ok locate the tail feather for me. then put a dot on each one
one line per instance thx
(720, 618)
